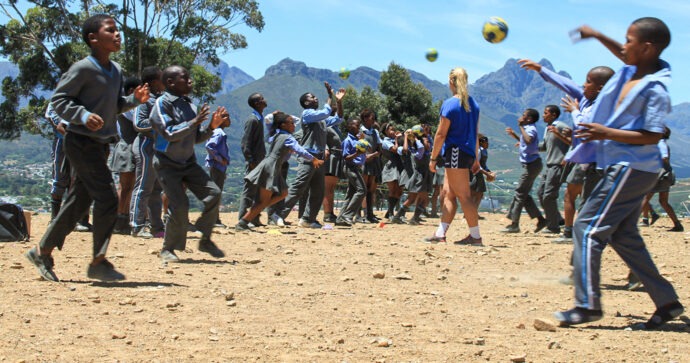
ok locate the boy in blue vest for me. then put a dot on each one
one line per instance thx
(624, 128)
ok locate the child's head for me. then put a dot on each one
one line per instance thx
(551, 113)
(100, 32)
(530, 116)
(388, 129)
(256, 101)
(667, 133)
(353, 126)
(131, 84)
(153, 76)
(645, 40)
(368, 118)
(596, 79)
(308, 100)
(483, 141)
(177, 80)
(283, 121)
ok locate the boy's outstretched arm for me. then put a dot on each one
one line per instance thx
(615, 47)
(594, 131)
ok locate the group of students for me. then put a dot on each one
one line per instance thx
(621, 113)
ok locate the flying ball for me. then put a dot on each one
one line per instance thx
(362, 145)
(431, 54)
(344, 73)
(418, 130)
(495, 30)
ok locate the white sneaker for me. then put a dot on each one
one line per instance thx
(278, 221)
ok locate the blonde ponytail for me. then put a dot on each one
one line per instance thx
(458, 77)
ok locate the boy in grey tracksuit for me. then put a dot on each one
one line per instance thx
(177, 127)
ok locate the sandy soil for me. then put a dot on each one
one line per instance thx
(312, 295)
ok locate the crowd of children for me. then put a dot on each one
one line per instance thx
(94, 107)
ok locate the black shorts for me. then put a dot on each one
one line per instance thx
(457, 159)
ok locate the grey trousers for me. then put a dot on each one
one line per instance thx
(172, 176)
(548, 195)
(522, 197)
(218, 177)
(308, 180)
(146, 196)
(356, 190)
(609, 216)
(91, 181)
(250, 194)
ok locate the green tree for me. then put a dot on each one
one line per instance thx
(355, 102)
(46, 39)
(407, 103)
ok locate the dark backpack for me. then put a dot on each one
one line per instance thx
(12, 223)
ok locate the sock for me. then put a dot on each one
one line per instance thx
(401, 211)
(418, 212)
(370, 204)
(474, 232)
(442, 228)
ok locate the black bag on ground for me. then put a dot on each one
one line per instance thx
(12, 223)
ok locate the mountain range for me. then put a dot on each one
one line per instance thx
(502, 96)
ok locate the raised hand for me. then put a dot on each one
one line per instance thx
(220, 118)
(341, 93)
(142, 93)
(570, 104)
(529, 64)
(202, 114)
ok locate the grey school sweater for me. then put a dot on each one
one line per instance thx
(89, 88)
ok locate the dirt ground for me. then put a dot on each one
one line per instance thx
(367, 294)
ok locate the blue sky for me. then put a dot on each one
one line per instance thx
(351, 33)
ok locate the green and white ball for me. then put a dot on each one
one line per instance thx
(432, 55)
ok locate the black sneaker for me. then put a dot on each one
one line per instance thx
(397, 220)
(343, 222)
(577, 315)
(44, 264)
(655, 217)
(219, 224)
(243, 226)
(329, 218)
(677, 228)
(551, 231)
(206, 245)
(414, 221)
(511, 228)
(434, 239)
(470, 241)
(372, 219)
(663, 315)
(541, 224)
(104, 271)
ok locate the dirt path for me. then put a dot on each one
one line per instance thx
(312, 295)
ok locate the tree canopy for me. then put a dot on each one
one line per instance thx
(45, 39)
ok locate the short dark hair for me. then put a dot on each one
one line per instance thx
(254, 99)
(150, 74)
(366, 113)
(667, 133)
(653, 30)
(92, 25)
(532, 114)
(303, 99)
(554, 109)
(385, 126)
(601, 74)
(482, 137)
(131, 83)
(171, 72)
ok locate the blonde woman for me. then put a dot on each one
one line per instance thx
(456, 141)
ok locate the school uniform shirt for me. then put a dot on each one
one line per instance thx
(88, 88)
(142, 122)
(349, 149)
(644, 108)
(529, 152)
(175, 132)
(314, 124)
(217, 150)
(554, 147)
(462, 132)
(125, 126)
